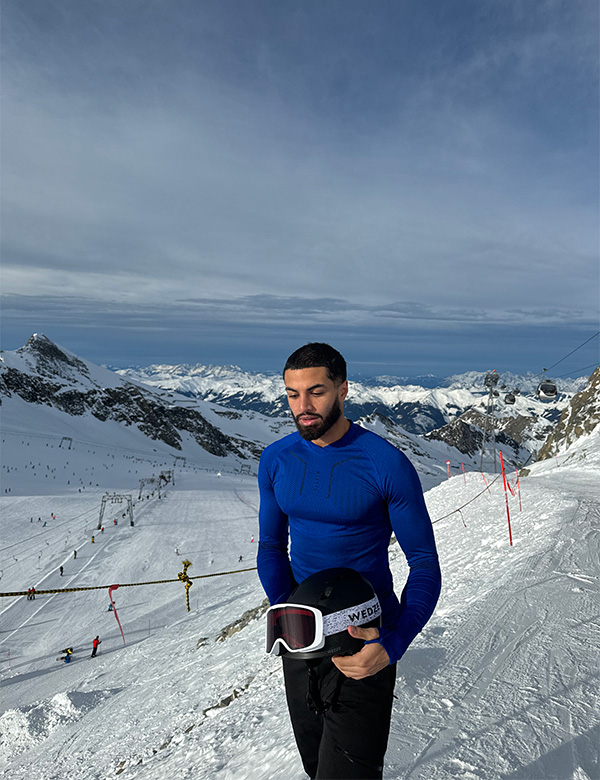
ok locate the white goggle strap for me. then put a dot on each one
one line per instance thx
(353, 616)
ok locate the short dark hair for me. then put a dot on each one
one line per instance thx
(318, 355)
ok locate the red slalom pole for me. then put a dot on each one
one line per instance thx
(519, 491)
(110, 590)
(506, 497)
(464, 475)
(448, 467)
(486, 483)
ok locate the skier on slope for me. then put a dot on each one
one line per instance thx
(97, 641)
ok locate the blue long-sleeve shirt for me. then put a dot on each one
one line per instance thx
(337, 506)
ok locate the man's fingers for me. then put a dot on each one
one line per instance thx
(370, 660)
(363, 633)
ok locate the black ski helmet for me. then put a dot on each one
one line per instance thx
(338, 590)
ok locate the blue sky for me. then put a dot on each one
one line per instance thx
(219, 182)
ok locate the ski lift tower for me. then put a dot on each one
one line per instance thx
(115, 499)
(490, 381)
(166, 477)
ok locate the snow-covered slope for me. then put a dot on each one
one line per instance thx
(501, 685)
(47, 391)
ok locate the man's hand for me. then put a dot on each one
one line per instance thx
(371, 659)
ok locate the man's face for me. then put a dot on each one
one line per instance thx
(315, 400)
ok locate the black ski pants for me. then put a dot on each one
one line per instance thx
(341, 725)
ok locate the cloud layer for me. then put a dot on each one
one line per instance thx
(245, 164)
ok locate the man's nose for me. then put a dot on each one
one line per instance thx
(306, 403)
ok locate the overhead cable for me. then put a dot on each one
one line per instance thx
(570, 374)
(573, 351)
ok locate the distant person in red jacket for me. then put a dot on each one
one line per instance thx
(95, 644)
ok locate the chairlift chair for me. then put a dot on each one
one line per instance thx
(509, 398)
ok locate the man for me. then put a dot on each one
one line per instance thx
(338, 491)
(97, 641)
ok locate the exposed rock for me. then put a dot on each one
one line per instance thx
(242, 622)
(581, 417)
(517, 435)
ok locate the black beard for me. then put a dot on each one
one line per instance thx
(312, 432)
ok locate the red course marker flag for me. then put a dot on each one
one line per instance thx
(506, 497)
(448, 467)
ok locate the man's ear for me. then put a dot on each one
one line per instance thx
(343, 389)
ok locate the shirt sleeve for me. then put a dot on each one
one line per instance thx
(273, 562)
(412, 527)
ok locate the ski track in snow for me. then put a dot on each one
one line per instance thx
(501, 685)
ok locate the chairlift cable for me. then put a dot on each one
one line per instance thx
(573, 351)
(570, 374)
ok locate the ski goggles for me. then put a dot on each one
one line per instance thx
(300, 628)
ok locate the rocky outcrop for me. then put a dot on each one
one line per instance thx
(460, 434)
(581, 418)
(519, 435)
(50, 360)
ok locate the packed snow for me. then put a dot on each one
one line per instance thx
(501, 685)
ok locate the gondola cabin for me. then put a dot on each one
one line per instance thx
(509, 398)
(547, 391)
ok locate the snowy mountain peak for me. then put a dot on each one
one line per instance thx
(47, 358)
